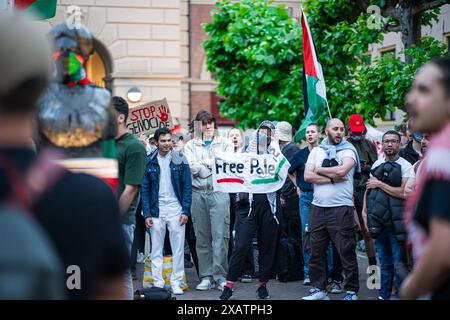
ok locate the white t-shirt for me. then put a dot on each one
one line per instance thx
(407, 169)
(333, 195)
(169, 205)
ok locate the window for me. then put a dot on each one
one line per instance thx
(387, 53)
(447, 38)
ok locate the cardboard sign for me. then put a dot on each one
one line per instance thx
(149, 117)
(245, 172)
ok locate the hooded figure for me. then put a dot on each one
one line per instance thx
(260, 215)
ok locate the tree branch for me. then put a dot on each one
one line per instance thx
(430, 5)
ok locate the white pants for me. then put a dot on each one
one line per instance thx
(176, 235)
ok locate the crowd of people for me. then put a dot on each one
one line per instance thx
(339, 191)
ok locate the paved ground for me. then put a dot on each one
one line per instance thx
(278, 291)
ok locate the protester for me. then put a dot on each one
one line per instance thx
(297, 171)
(367, 156)
(330, 168)
(412, 151)
(166, 201)
(427, 217)
(260, 214)
(235, 136)
(210, 209)
(290, 220)
(384, 206)
(131, 156)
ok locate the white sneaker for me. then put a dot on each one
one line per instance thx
(140, 258)
(205, 285)
(307, 282)
(221, 285)
(317, 295)
(176, 289)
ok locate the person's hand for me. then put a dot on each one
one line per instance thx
(339, 180)
(183, 219)
(298, 191)
(149, 222)
(373, 183)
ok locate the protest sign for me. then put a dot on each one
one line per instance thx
(252, 173)
(148, 117)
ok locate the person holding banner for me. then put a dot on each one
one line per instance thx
(210, 209)
(261, 213)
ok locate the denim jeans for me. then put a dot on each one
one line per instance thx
(305, 204)
(392, 256)
(128, 231)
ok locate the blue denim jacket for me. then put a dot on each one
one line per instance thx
(181, 182)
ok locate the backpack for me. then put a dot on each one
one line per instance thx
(290, 256)
(29, 266)
(153, 293)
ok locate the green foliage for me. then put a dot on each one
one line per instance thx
(255, 53)
(385, 82)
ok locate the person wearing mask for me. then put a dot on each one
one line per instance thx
(235, 136)
(367, 155)
(260, 214)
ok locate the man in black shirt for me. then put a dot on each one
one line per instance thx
(427, 213)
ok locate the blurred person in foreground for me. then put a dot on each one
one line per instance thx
(29, 265)
(427, 214)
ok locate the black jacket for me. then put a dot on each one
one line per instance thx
(383, 210)
(409, 154)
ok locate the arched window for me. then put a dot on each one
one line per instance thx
(99, 66)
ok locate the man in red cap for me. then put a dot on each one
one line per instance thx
(367, 156)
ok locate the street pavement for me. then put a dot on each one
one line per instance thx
(278, 290)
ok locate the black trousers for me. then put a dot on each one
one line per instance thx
(249, 265)
(262, 220)
(139, 236)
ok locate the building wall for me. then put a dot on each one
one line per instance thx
(144, 40)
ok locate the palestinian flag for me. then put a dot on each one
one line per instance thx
(314, 92)
(42, 9)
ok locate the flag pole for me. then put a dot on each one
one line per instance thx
(328, 107)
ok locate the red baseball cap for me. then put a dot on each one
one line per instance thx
(356, 123)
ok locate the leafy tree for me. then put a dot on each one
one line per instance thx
(255, 53)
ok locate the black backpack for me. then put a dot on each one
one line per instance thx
(153, 293)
